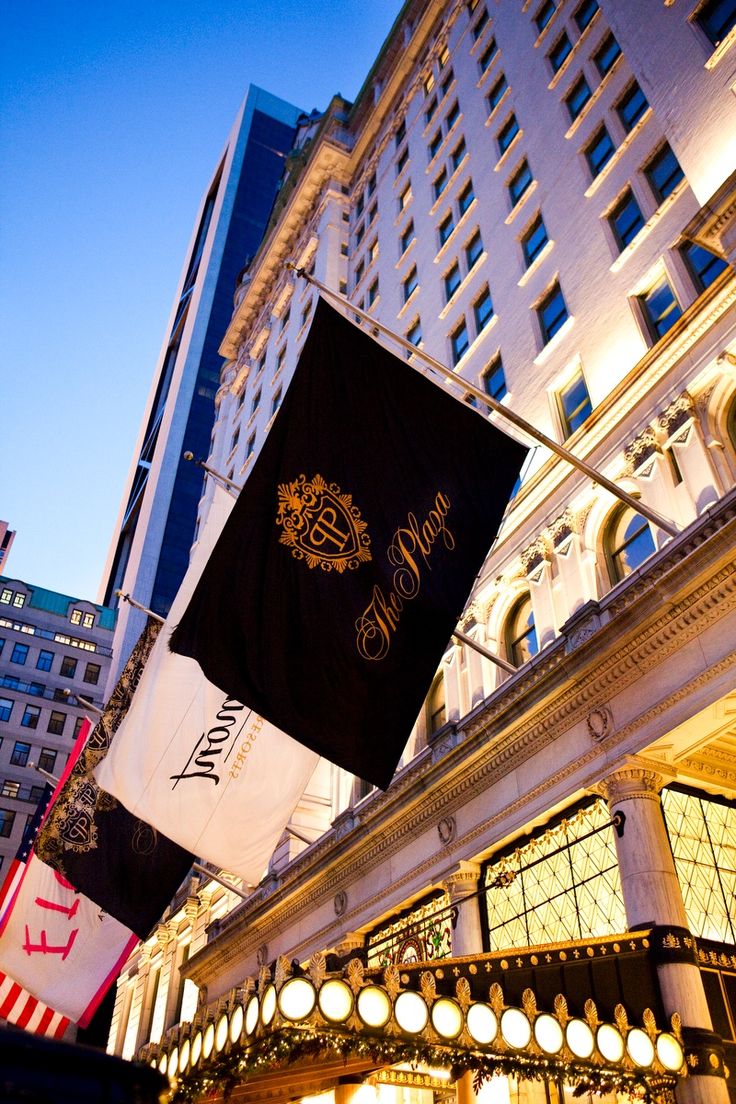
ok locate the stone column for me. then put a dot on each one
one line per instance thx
(652, 897)
(462, 888)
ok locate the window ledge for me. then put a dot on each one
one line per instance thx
(404, 209)
(544, 34)
(480, 42)
(505, 155)
(521, 202)
(451, 181)
(452, 301)
(462, 222)
(405, 306)
(648, 226)
(545, 353)
(484, 76)
(399, 179)
(406, 252)
(721, 50)
(617, 155)
(493, 117)
(536, 264)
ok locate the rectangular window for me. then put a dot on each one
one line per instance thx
(6, 708)
(19, 654)
(544, 14)
(452, 116)
(44, 661)
(703, 265)
(479, 25)
(373, 293)
(631, 107)
(47, 759)
(599, 151)
(78, 722)
(459, 342)
(552, 313)
(10, 788)
(431, 108)
(496, 94)
(660, 307)
(488, 55)
(56, 722)
(443, 57)
(606, 54)
(534, 240)
(250, 445)
(663, 173)
(466, 197)
(584, 15)
(716, 19)
(88, 620)
(577, 97)
(19, 600)
(414, 333)
(574, 403)
(92, 673)
(407, 236)
(31, 713)
(559, 53)
(457, 154)
(507, 133)
(494, 380)
(473, 249)
(6, 596)
(428, 83)
(257, 399)
(7, 819)
(434, 144)
(452, 282)
(68, 667)
(37, 689)
(446, 227)
(371, 185)
(626, 219)
(483, 310)
(287, 315)
(76, 617)
(439, 184)
(359, 234)
(360, 206)
(276, 402)
(410, 284)
(519, 182)
(400, 133)
(402, 161)
(19, 754)
(235, 438)
(359, 271)
(405, 197)
(447, 82)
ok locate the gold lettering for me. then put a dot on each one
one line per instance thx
(325, 529)
(241, 759)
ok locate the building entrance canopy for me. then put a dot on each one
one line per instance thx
(309, 1028)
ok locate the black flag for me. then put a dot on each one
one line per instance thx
(348, 558)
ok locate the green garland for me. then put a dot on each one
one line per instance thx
(291, 1045)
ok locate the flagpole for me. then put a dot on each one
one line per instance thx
(86, 703)
(137, 605)
(230, 484)
(502, 663)
(493, 404)
(216, 878)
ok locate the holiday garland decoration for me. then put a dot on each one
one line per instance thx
(275, 1023)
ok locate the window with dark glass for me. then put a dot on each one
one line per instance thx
(560, 52)
(584, 14)
(599, 151)
(359, 234)
(359, 206)
(407, 236)
(37, 689)
(434, 144)
(60, 695)
(519, 182)
(521, 634)
(459, 342)
(606, 54)
(7, 819)
(534, 240)
(372, 212)
(574, 403)
(235, 439)
(68, 667)
(452, 281)
(544, 14)
(78, 722)
(631, 107)
(507, 134)
(372, 185)
(494, 380)
(373, 292)
(626, 219)
(410, 283)
(446, 227)
(276, 401)
(31, 713)
(414, 333)
(19, 754)
(6, 708)
(717, 18)
(473, 249)
(466, 197)
(577, 97)
(47, 759)
(447, 82)
(402, 161)
(483, 310)
(431, 108)
(488, 55)
(663, 173)
(45, 659)
(257, 397)
(660, 307)
(457, 154)
(92, 673)
(400, 133)
(359, 271)
(251, 444)
(552, 313)
(453, 115)
(479, 25)
(496, 94)
(439, 184)
(56, 722)
(19, 654)
(628, 542)
(703, 265)
(405, 197)
(436, 711)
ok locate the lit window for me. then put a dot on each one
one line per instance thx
(507, 134)
(68, 667)
(488, 55)
(496, 94)
(466, 197)
(631, 107)
(519, 182)
(626, 219)
(628, 543)
(479, 25)
(88, 620)
(76, 617)
(6, 596)
(606, 55)
(552, 313)
(559, 53)
(534, 240)
(457, 154)
(452, 116)
(452, 281)
(434, 144)
(410, 284)
(428, 83)
(403, 161)
(56, 722)
(717, 18)
(473, 249)
(574, 403)
(585, 13)
(407, 236)
(483, 310)
(19, 654)
(44, 661)
(10, 788)
(459, 342)
(521, 635)
(443, 57)
(19, 599)
(544, 14)
(660, 307)
(92, 673)
(31, 713)
(704, 266)
(6, 708)
(577, 97)
(446, 227)
(7, 819)
(494, 380)
(663, 173)
(599, 151)
(47, 759)
(19, 754)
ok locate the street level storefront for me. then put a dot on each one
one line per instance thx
(585, 1016)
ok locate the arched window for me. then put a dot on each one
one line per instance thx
(436, 711)
(521, 634)
(629, 542)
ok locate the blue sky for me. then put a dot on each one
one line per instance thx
(112, 117)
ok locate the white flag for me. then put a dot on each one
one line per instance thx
(204, 769)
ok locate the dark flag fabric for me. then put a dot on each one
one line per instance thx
(348, 557)
(120, 862)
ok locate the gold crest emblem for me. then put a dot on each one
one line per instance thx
(321, 525)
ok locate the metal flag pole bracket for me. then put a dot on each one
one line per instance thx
(502, 663)
(85, 702)
(137, 605)
(503, 411)
(46, 774)
(229, 484)
(216, 878)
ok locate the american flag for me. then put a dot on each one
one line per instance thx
(17, 1005)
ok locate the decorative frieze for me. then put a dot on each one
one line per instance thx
(677, 415)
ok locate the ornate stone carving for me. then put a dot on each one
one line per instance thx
(599, 722)
(677, 414)
(642, 448)
(463, 881)
(447, 830)
(631, 783)
(340, 902)
(561, 528)
(535, 555)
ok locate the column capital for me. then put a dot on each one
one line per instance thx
(462, 880)
(349, 943)
(636, 778)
